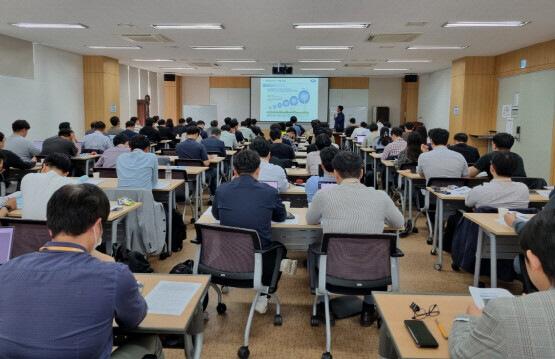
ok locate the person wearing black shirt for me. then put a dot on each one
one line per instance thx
(470, 154)
(255, 129)
(352, 125)
(150, 132)
(339, 120)
(278, 148)
(63, 143)
(179, 129)
(234, 124)
(165, 132)
(200, 125)
(501, 142)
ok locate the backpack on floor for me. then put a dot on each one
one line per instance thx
(187, 268)
(179, 231)
(136, 261)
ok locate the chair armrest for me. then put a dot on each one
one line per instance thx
(397, 253)
(194, 240)
(264, 251)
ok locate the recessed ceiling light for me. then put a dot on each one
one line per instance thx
(332, 25)
(408, 61)
(126, 25)
(247, 69)
(315, 61)
(416, 23)
(30, 25)
(380, 69)
(238, 60)
(217, 47)
(485, 23)
(152, 60)
(188, 27)
(178, 68)
(387, 47)
(324, 47)
(318, 69)
(436, 47)
(136, 47)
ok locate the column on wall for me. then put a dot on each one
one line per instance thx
(173, 103)
(101, 88)
(409, 101)
(473, 98)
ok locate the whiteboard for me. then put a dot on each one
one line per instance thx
(359, 113)
(205, 113)
(231, 102)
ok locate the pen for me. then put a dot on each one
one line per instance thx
(441, 330)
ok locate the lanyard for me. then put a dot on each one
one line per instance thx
(60, 248)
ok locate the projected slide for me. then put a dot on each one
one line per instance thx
(281, 98)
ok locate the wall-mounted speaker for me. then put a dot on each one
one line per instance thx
(169, 77)
(411, 78)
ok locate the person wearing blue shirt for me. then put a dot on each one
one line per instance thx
(300, 130)
(138, 168)
(97, 140)
(326, 155)
(339, 120)
(213, 143)
(61, 301)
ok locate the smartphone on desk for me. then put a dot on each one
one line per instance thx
(421, 334)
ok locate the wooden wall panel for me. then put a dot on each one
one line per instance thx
(230, 82)
(409, 101)
(179, 98)
(457, 97)
(101, 88)
(539, 57)
(170, 99)
(552, 179)
(351, 83)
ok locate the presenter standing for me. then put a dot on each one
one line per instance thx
(339, 120)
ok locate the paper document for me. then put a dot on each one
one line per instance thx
(161, 185)
(482, 174)
(519, 216)
(549, 187)
(113, 207)
(544, 193)
(178, 167)
(482, 296)
(94, 181)
(170, 298)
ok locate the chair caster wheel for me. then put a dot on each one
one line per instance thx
(164, 255)
(455, 267)
(243, 352)
(415, 230)
(278, 320)
(314, 321)
(433, 252)
(326, 356)
(221, 308)
(437, 266)
(481, 285)
(225, 289)
(429, 241)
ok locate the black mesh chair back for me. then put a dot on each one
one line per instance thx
(189, 162)
(164, 161)
(531, 182)
(168, 152)
(359, 261)
(409, 166)
(444, 182)
(217, 153)
(107, 172)
(29, 235)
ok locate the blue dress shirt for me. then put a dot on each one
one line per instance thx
(213, 144)
(191, 149)
(137, 169)
(311, 186)
(128, 133)
(61, 304)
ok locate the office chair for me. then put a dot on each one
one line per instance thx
(168, 152)
(106, 172)
(403, 193)
(233, 257)
(354, 264)
(29, 235)
(531, 182)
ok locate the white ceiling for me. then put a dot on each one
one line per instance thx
(264, 27)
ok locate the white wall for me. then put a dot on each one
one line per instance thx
(17, 57)
(231, 102)
(385, 92)
(348, 99)
(53, 96)
(196, 90)
(134, 84)
(434, 96)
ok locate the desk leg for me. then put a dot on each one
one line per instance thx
(434, 229)
(218, 174)
(375, 174)
(365, 161)
(493, 258)
(478, 256)
(185, 202)
(404, 202)
(166, 145)
(170, 221)
(114, 237)
(87, 167)
(231, 168)
(439, 228)
(410, 199)
(2, 189)
(193, 349)
(386, 179)
(201, 189)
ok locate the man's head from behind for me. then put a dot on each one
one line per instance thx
(114, 120)
(216, 133)
(246, 162)
(76, 213)
(503, 141)
(214, 123)
(409, 126)
(121, 139)
(275, 135)
(57, 162)
(140, 142)
(130, 125)
(460, 138)
(346, 164)
(352, 121)
(149, 122)
(322, 141)
(396, 132)
(538, 244)
(293, 119)
(63, 125)
(261, 146)
(193, 132)
(100, 126)
(373, 127)
(21, 127)
(65, 133)
(439, 136)
(503, 164)
(327, 155)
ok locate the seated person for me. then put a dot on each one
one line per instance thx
(409, 128)
(129, 130)
(234, 125)
(289, 138)
(351, 207)
(352, 125)
(515, 327)
(441, 161)
(18, 142)
(268, 171)
(256, 129)
(72, 296)
(396, 146)
(501, 142)
(248, 134)
(298, 127)
(411, 153)
(313, 160)
(203, 135)
(12, 160)
(110, 156)
(381, 141)
(326, 157)
(278, 148)
(150, 131)
(359, 131)
(213, 142)
(37, 188)
(245, 195)
(138, 168)
(97, 140)
(228, 138)
(63, 143)
(6, 204)
(501, 191)
(180, 128)
(368, 141)
(115, 129)
(470, 153)
(166, 133)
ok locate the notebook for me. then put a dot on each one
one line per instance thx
(271, 183)
(38, 144)
(360, 138)
(322, 184)
(6, 239)
(79, 145)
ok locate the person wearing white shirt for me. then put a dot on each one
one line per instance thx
(359, 131)
(268, 171)
(37, 188)
(97, 140)
(19, 144)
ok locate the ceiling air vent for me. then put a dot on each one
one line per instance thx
(203, 64)
(144, 38)
(400, 37)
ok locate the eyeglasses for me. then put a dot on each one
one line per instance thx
(433, 311)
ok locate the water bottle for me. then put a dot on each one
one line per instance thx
(168, 172)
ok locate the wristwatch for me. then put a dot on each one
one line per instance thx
(8, 207)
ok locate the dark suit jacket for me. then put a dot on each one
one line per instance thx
(470, 154)
(339, 122)
(178, 130)
(239, 136)
(212, 144)
(166, 133)
(247, 203)
(152, 134)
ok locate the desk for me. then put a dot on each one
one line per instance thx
(190, 323)
(409, 184)
(297, 172)
(197, 173)
(296, 195)
(86, 158)
(166, 143)
(366, 152)
(230, 154)
(506, 247)
(300, 154)
(394, 310)
(301, 162)
(375, 157)
(343, 139)
(114, 218)
(389, 165)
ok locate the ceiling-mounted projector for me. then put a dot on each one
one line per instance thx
(282, 70)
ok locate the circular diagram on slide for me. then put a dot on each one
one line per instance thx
(279, 105)
(293, 100)
(285, 103)
(304, 96)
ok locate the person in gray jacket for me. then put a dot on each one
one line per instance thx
(518, 327)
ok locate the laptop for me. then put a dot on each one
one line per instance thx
(325, 184)
(111, 137)
(79, 145)
(271, 184)
(6, 240)
(38, 144)
(360, 138)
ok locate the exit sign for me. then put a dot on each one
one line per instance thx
(523, 63)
